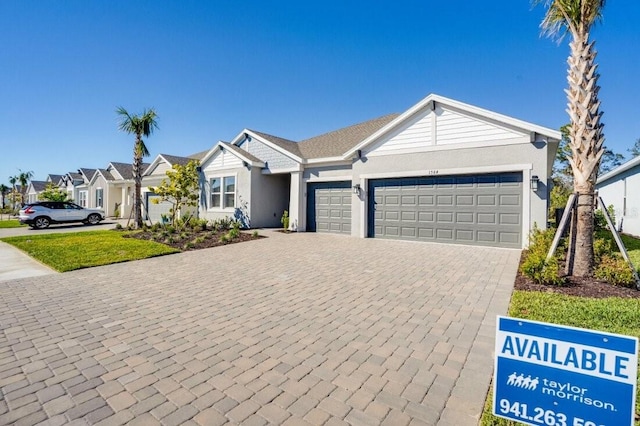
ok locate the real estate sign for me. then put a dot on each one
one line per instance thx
(547, 374)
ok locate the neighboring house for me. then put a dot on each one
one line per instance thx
(99, 187)
(116, 182)
(55, 179)
(442, 171)
(621, 188)
(153, 176)
(34, 190)
(70, 183)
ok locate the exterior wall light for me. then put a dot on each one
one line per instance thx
(535, 181)
(357, 188)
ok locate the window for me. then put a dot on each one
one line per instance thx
(99, 193)
(223, 192)
(215, 192)
(82, 195)
(230, 191)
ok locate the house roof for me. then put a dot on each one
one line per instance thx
(337, 142)
(286, 144)
(54, 178)
(174, 159)
(88, 173)
(244, 155)
(618, 170)
(75, 175)
(198, 155)
(39, 185)
(126, 170)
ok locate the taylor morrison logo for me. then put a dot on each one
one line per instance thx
(518, 380)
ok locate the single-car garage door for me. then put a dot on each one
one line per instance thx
(155, 211)
(329, 207)
(468, 209)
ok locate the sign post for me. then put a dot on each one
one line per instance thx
(547, 374)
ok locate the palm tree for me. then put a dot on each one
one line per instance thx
(586, 137)
(24, 178)
(4, 190)
(139, 125)
(13, 180)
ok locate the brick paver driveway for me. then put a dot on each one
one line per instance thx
(286, 330)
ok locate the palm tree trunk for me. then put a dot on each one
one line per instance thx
(586, 142)
(137, 179)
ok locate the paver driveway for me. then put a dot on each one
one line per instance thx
(285, 330)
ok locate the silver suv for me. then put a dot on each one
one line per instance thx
(42, 214)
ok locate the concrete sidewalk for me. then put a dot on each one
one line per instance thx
(15, 264)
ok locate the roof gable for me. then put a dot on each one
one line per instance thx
(450, 116)
(238, 153)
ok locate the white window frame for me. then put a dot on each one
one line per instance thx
(100, 199)
(222, 194)
(83, 197)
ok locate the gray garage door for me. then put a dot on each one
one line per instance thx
(329, 207)
(476, 209)
(155, 211)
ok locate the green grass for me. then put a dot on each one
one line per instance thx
(614, 315)
(633, 248)
(69, 251)
(11, 223)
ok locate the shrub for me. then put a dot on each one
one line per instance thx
(285, 220)
(198, 240)
(188, 245)
(223, 224)
(224, 239)
(255, 234)
(601, 248)
(118, 226)
(234, 232)
(600, 222)
(615, 270)
(535, 265)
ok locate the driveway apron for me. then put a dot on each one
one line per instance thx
(290, 329)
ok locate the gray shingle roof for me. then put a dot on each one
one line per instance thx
(336, 143)
(126, 170)
(174, 159)
(198, 155)
(88, 173)
(39, 185)
(285, 144)
(105, 173)
(75, 175)
(54, 178)
(242, 152)
(332, 144)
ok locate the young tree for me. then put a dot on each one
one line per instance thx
(53, 192)
(24, 178)
(586, 137)
(139, 125)
(4, 190)
(182, 189)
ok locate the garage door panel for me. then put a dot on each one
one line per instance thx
(473, 209)
(486, 218)
(329, 207)
(464, 200)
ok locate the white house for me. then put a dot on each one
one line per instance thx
(621, 188)
(442, 171)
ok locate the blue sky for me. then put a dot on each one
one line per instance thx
(290, 68)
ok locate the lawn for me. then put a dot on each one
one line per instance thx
(614, 315)
(69, 251)
(11, 223)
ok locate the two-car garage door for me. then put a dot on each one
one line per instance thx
(470, 209)
(483, 209)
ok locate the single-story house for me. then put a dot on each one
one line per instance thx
(442, 171)
(34, 190)
(153, 176)
(621, 188)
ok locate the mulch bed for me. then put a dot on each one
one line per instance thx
(584, 287)
(209, 239)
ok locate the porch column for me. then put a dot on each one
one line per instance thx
(297, 211)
